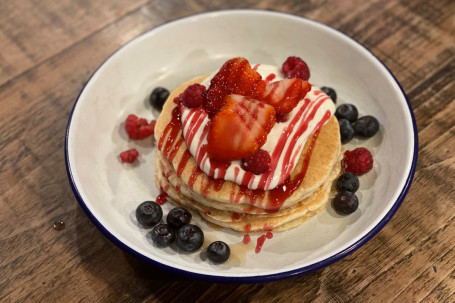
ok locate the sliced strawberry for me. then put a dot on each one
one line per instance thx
(240, 128)
(235, 77)
(284, 95)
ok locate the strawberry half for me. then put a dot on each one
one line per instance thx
(284, 95)
(235, 77)
(239, 129)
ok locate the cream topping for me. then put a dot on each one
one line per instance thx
(284, 142)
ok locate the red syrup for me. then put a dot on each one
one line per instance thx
(171, 130)
(259, 243)
(161, 199)
(256, 67)
(246, 239)
(269, 235)
(247, 228)
(270, 77)
(183, 161)
(235, 217)
(267, 227)
(279, 194)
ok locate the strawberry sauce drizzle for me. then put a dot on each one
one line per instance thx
(259, 243)
(161, 199)
(246, 239)
(183, 161)
(270, 77)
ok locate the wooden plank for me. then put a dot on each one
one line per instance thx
(32, 32)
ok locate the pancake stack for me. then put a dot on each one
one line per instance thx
(228, 204)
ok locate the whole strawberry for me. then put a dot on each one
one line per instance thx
(358, 161)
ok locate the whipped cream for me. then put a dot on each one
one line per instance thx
(284, 142)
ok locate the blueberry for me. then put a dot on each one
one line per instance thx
(162, 235)
(178, 217)
(149, 213)
(218, 252)
(330, 92)
(348, 182)
(345, 203)
(347, 111)
(346, 130)
(158, 97)
(366, 127)
(189, 237)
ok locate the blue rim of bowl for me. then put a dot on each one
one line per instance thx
(260, 278)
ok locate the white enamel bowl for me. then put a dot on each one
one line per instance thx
(168, 55)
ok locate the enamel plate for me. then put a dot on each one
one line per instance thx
(173, 53)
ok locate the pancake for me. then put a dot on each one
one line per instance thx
(230, 205)
(174, 149)
(282, 219)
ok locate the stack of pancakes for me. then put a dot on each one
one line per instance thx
(227, 204)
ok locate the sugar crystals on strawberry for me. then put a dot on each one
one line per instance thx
(240, 128)
(235, 77)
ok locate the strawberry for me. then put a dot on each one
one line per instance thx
(235, 77)
(284, 95)
(239, 129)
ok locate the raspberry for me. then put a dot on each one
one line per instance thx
(358, 161)
(129, 156)
(193, 96)
(294, 67)
(282, 118)
(258, 163)
(138, 128)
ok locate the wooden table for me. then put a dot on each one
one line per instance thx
(49, 49)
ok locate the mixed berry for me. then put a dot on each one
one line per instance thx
(243, 108)
(129, 156)
(177, 229)
(189, 237)
(355, 162)
(295, 67)
(163, 235)
(345, 203)
(177, 217)
(149, 213)
(138, 128)
(358, 161)
(330, 92)
(218, 252)
(158, 97)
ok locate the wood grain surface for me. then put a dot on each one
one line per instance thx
(49, 49)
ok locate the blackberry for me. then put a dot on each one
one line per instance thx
(218, 252)
(345, 203)
(366, 127)
(162, 235)
(347, 111)
(189, 237)
(346, 130)
(348, 182)
(158, 97)
(149, 213)
(330, 92)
